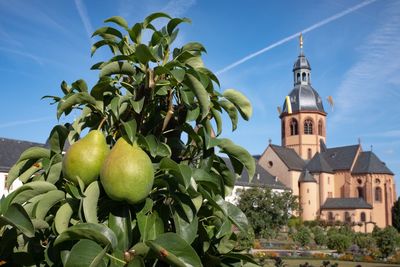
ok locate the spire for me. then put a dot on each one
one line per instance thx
(301, 42)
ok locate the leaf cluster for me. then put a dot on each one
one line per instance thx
(165, 100)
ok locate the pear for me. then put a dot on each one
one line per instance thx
(127, 173)
(84, 158)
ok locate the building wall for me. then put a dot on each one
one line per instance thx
(301, 143)
(326, 183)
(355, 218)
(309, 201)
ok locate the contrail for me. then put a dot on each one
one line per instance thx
(287, 39)
(15, 123)
(80, 6)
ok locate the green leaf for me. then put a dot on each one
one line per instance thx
(181, 171)
(66, 104)
(18, 217)
(34, 189)
(25, 176)
(194, 46)
(35, 153)
(175, 22)
(235, 215)
(80, 85)
(62, 218)
(86, 253)
(130, 130)
(119, 221)
(105, 31)
(239, 154)
(57, 138)
(240, 101)
(119, 21)
(150, 225)
(154, 16)
(103, 85)
(179, 74)
(54, 173)
(65, 88)
(201, 94)
(143, 54)
(111, 44)
(137, 105)
(218, 120)
(99, 233)
(90, 200)
(135, 32)
(174, 250)
(186, 230)
(232, 112)
(116, 67)
(49, 200)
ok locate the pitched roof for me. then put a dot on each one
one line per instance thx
(318, 164)
(345, 203)
(340, 158)
(291, 159)
(10, 151)
(306, 177)
(262, 178)
(368, 162)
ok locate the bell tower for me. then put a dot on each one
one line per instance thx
(303, 118)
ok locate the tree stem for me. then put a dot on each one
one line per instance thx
(101, 123)
(114, 258)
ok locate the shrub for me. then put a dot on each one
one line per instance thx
(302, 236)
(339, 242)
(386, 240)
(364, 241)
(320, 236)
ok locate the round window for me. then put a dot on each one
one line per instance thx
(270, 164)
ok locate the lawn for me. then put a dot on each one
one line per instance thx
(318, 263)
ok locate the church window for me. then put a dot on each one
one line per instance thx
(303, 76)
(298, 77)
(329, 194)
(294, 127)
(378, 194)
(309, 153)
(330, 216)
(283, 129)
(309, 202)
(377, 181)
(308, 190)
(270, 164)
(363, 217)
(360, 191)
(329, 180)
(308, 127)
(320, 127)
(347, 217)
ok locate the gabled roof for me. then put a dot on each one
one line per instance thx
(306, 177)
(318, 164)
(345, 203)
(10, 151)
(341, 158)
(289, 157)
(368, 162)
(262, 178)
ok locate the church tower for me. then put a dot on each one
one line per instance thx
(303, 116)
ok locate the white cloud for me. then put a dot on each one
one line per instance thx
(84, 17)
(363, 89)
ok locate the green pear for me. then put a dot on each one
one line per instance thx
(127, 173)
(84, 158)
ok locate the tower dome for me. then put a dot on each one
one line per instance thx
(304, 98)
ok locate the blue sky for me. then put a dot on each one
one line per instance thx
(353, 47)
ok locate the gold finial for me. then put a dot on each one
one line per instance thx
(301, 41)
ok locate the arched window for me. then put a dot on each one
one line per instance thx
(378, 194)
(347, 217)
(320, 127)
(283, 129)
(298, 77)
(308, 77)
(308, 127)
(363, 217)
(303, 76)
(309, 153)
(360, 191)
(294, 127)
(330, 216)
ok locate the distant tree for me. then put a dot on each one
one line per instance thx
(396, 214)
(303, 236)
(267, 210)
(364, 241)
(387, 240)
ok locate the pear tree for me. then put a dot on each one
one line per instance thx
(158, 197)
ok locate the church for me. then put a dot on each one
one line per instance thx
(344, 183)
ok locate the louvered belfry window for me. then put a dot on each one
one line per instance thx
(308, 127)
